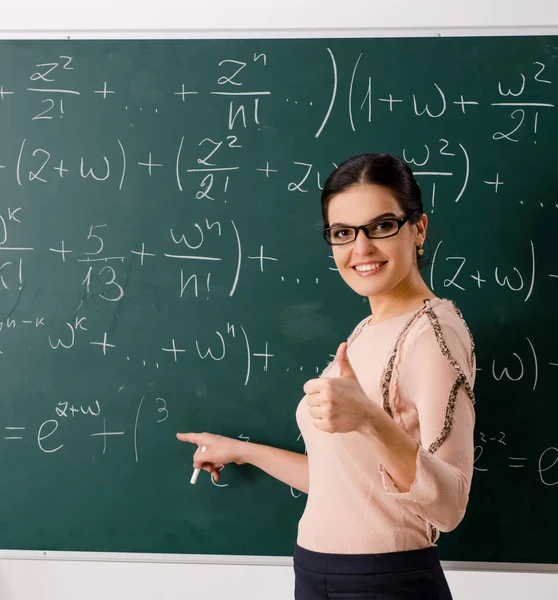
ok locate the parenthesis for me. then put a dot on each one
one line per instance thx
(333, 95)
(536, 363)
(18, 171)
(220, 485)
(248, 353)
(123, 164)
(532, 271)
(136, 429)
(4, 227)
(178, 164)
(239, 262)
(432, 267)
(351, 92)
(466, 173)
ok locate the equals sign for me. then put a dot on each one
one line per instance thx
(516, 466)
(10, 429)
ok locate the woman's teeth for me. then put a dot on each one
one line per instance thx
(368, 267)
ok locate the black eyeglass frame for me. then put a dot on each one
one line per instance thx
(356, 228)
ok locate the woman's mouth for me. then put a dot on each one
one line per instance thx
(367, 270)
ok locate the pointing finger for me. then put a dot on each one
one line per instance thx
(193, 438)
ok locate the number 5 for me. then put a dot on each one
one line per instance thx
(92, 235)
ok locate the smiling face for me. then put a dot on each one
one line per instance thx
(375, 267)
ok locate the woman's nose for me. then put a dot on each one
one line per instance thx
(362, 244)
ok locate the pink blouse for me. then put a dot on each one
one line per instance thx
(420, 367)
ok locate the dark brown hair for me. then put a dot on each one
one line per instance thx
(380, 169)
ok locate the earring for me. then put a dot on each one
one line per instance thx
(420, 251)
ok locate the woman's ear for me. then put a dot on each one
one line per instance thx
(422, 226)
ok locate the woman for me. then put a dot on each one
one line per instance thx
(388, 426)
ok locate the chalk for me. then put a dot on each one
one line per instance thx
(196, 472)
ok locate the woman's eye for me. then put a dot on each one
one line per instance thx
(339, 234)
(384, 226)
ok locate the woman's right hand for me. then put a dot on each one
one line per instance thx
(219, 451)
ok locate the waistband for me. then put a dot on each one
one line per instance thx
(355, 564)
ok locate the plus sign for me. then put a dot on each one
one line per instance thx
(267, 170)
(174, 350)
(142, 253)
(61, 169)
(391, 101)
(62, 251)
(267, 355)
(261, 258)
(149, 164)
(495, 183)
(106, 433)
(103, 344)
(478, 279)
(3, 93)
(464, 103)
(184, 93)
(104, 91)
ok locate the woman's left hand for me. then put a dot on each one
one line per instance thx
(339, 404)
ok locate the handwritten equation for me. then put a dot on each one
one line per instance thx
(546, 464)
(48, 438)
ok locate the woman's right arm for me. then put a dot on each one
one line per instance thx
(289, 467)
(286, 466)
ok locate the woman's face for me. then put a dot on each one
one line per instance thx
(395, 255)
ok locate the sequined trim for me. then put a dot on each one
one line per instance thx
(461, 380)
(432, 532)
(391, 361)
(460, 315)
(446, 430)
(445, 351)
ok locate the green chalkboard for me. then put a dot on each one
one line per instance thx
(162, 270)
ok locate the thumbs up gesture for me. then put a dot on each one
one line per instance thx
(339, 404)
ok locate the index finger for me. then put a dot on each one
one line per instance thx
(193, 438)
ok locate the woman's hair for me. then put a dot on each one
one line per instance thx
(380, 169)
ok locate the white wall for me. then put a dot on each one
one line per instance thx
(278, 14)
(36, 580)
(67, 580)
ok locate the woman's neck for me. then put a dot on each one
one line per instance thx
(407, 299)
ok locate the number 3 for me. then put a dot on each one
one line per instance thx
(162, 410)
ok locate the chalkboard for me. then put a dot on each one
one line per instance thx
(162, 270)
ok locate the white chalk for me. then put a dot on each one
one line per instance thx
(196, 472)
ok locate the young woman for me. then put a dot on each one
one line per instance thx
(388, 426)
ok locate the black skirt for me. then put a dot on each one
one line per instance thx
(407, 575)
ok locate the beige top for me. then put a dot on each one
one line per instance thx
(420, 367)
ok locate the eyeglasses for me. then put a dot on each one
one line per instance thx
(376, 229)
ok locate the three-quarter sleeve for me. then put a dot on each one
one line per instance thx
(432, 384)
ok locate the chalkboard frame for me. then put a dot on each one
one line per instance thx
(447, 32)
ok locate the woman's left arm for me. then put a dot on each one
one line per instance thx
(432, 478)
